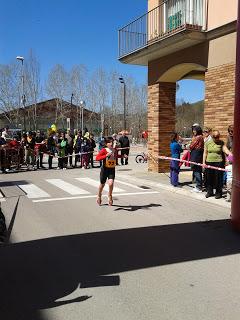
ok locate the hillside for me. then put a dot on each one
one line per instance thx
(187, 114)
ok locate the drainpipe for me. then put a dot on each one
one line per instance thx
(236, 146)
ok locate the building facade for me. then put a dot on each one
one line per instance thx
(183, 39)
(54, 111)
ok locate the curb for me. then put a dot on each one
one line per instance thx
(182, 192)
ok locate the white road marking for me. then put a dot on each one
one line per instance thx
(129, 184)
(95, 183)
(67, 187)
(94, 196)
(32, 191)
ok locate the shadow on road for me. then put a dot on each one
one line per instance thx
(135, 208)
(35, 274)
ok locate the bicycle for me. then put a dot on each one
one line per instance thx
(141, 157)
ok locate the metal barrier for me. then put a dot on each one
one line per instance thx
(11, 157)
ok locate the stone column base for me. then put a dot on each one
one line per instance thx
(161, 123)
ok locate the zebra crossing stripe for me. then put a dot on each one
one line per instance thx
(95, 183)
(94, 196)
(67, 187)
(1, 197)
(129, 184)
(32, 191)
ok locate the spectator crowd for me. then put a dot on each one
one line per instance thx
(72, 149)
(207, 149)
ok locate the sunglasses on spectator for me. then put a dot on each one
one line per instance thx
(215, 137)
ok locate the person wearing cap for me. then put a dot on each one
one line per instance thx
(195, 125)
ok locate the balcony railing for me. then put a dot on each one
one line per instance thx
(165, 20)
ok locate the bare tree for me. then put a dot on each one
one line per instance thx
(57, 86)
(9, 91)
(115, 98)
(32, 86)
(98, 93)
(78, 84)
(136, 106)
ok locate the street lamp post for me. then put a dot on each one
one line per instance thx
(124, 102)
(19, 58)
(71, 105)
(82, 105)
(71, 99)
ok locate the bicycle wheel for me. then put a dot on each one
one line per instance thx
(139, 158)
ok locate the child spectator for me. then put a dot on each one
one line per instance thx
(176, 150)
(85, 153)
(229, 177)
(62, 153)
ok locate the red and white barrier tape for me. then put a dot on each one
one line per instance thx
(75, 154)
(194, 163)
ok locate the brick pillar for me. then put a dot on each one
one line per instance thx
(161, 122)
(219, 97)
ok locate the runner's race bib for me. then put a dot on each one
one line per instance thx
(110, 164)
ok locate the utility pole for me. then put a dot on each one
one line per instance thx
(236, 138)
(71, 107)
(124, 103)
(83, 105)
(20, 58)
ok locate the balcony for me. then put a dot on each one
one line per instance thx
(170, 27)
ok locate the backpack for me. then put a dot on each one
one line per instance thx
(63, 144)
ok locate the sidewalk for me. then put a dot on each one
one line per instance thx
(138, 174)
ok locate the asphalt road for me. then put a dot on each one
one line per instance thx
(152, 255)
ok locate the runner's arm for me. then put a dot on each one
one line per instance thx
(102, 154)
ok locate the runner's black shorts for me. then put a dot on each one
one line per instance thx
(106, 173)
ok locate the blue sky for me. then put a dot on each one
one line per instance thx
(73, 32)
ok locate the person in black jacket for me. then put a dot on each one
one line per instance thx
(30, 145)
(70, 139)
(124, 143)
(92, 146)
(39, 139)
(51, 147)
